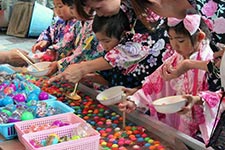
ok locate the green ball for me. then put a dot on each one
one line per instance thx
(26, 115)
(7, 112)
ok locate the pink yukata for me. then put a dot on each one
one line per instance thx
(191, 82)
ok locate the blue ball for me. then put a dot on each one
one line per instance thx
(32, 96)
(7, 100)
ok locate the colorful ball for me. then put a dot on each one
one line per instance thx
(43, 95)
(26, 115)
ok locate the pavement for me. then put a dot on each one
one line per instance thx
(8, 42)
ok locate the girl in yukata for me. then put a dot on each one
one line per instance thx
(155, 40)
(57, 40)
(189, 37)
(85, 45)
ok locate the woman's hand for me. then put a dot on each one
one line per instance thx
(73, 73)
(41, 45)
(11, 57)
(127, 106)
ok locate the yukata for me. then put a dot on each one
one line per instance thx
(60, 37)
(191, 82)
(139, 53)
(86, 45)
(212, 12)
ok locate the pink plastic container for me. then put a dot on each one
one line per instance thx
(86, 143)
(66, 118)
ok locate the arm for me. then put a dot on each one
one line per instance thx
(11, 57)
(169, 72)
(48, 36)
(75, 72)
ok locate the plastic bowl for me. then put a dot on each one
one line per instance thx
(41, 65)
(110, 96)
(170, 104)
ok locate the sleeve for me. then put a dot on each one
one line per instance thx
(213, 78)
(50, 33)
(129, 52)
(210, 106)
(93, 50)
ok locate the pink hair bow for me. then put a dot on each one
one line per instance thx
(191, 22)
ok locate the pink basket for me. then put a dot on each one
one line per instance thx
(86, 143)
(66, 118)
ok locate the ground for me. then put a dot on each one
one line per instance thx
(9, 42)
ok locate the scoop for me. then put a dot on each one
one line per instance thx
(74, 95)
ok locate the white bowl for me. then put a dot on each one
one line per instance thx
(43, 66)
(170, 104)
(111, 96)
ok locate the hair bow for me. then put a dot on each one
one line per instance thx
(191, 22)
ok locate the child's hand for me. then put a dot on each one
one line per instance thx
(191, 101)
(129, 91)
(53, 68)
(127, 106)
(168, 72)
(217, 57)
(41, 45)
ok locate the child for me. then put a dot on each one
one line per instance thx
(189, 38)
(85, 46)
(133, 51)
(57, 40)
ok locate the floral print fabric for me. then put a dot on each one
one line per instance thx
(214, 16)
(86, 46)
(155, 87)
(60, 37)
(138, 54)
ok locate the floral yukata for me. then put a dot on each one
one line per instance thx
(86, 46)
(192, 81)
(138, 54)
(60, 37)
(213, 13)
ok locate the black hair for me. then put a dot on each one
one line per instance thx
(180, 29)
(113, 26)
(79, 7)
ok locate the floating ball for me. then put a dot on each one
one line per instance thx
(7, 100)
(43, 95)
(19, 98)
(32, 96)
(26, 115)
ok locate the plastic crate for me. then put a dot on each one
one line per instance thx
(66, 118)
(86, 143)
(7, 69)
(8, 130)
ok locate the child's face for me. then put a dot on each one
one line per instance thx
(61, 10)
(105, 7)
(107, 43)
(181, 43)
